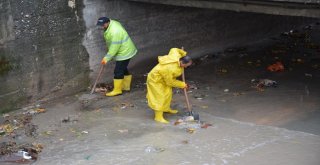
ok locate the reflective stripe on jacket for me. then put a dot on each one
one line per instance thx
(119, 43)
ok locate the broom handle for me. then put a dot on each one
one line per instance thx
(98, 78)
(185, 92)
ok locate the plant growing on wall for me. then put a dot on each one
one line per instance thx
(5, 66)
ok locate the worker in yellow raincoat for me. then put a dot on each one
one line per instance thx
(161, 80)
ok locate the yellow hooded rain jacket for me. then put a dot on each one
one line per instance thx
(162, 78)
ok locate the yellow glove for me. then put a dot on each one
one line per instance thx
(104, 61)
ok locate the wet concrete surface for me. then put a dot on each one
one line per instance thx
(249, 125)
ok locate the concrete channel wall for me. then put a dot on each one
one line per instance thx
(50, 49)
(41, 51)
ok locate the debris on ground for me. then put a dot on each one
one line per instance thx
(34, 111)
(84, 132)
(18, 124)
(19, 153)
(48, 133)
(126, 105)
(199, 96)
(205, 125)
(260, 83)
(276, 67)
(15, 127)
(191, 130)
(151, 149)
(70, 118)
(77, 132)
(190, 125)
(103, 87)
(238, 93)
(177, 122)
(31, 130)
(188, 118)
(223, 70)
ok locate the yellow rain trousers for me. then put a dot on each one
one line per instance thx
(162, 78)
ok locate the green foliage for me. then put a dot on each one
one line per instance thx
(5, 66)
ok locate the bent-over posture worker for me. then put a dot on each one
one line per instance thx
(121, 49)
(161, 80)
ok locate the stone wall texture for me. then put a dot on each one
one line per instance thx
(41, 51)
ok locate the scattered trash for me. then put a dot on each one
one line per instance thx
(34, 112)
(15, 125)
(226, 90)
(31, 130)
(193, 86)
(223, 70)
(199, 96)
(5, 115)
(84, 132)
(6, 129)
(18, 157)
(190, 125)
(177, 122)
(49, 133)
(238, 93)
(126, 105)
(102, 88)
(70, 118)
(276, 67)
(191, 130)
(205, 125)
(188, 118)
(22, 153)
(264, 83)
(150, 149)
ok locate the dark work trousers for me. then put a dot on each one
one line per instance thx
(121, 69)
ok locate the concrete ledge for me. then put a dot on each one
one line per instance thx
(276, 7)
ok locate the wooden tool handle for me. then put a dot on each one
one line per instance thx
(185, 92)
(98, 78)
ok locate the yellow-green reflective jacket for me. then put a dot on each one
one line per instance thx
(120, 45)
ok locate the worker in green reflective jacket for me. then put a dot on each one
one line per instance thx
(121, 49)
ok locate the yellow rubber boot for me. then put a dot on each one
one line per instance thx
(126, 82)
(158, 116)
(117, 88)
(172, 111)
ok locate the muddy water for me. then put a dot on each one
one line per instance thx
(226, 142)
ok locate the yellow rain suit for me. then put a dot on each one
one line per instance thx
(162, 78)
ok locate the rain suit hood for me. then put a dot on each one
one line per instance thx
(173, 57)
